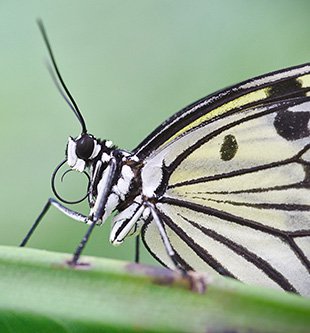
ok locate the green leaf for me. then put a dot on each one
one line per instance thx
(39, 292)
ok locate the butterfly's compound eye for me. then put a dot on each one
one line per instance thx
(85, 146)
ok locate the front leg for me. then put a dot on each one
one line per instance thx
(52, 202)
(72, 214)
(104, 189)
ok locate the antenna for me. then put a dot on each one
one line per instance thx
(73, 104)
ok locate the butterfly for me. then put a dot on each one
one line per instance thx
(222, 186)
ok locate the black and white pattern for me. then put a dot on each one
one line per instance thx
(222, 186)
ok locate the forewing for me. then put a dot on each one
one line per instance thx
(279, 85)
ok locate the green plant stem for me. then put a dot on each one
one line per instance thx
(39, 292)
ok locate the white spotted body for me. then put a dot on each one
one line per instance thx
(129, 220)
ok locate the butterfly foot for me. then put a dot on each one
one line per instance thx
(75, 263)
(198, 281)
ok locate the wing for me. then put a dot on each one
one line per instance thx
(232, 176)
(279, 85)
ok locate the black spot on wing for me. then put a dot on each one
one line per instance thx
(286, 87)
(292, 125)
(229, 148)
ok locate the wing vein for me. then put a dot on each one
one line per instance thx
(201, 252)
(251, 257)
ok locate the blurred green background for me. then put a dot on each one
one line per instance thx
(130, 65)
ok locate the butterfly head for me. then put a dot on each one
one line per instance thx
(85, 149)
(82, 153)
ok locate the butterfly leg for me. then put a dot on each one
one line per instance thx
(79, 249)
(197, 281)
(52, 202)
(72, 214)
(137, 249)
(165, 239)
(99, 208)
